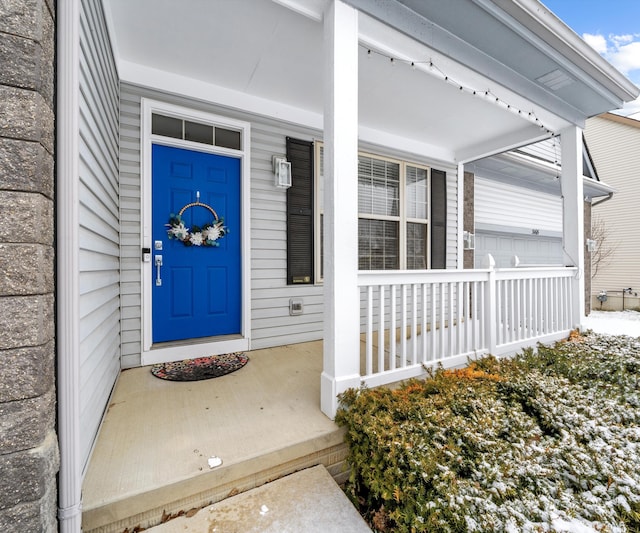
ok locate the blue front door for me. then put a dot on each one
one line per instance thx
(196, 286)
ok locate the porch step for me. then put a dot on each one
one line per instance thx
(264, 422)
(308, 501)
(147, 509)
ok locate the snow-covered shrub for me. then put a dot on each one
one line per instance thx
(542, 442)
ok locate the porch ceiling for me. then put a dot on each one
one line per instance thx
(267, 57)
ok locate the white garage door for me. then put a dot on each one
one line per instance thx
(530, 249)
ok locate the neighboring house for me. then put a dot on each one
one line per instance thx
(185, 107)
(518, 207)
(614, 144)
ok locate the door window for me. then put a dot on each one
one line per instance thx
(198, 132)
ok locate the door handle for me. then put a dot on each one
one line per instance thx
(158, 263)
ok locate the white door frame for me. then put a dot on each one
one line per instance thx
(176, 351)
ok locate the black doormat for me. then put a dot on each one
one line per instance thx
(200, 368)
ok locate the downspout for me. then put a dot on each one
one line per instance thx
(602, 200)
(67, 289)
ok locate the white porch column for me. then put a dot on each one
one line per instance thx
(573, 215)
(341, 365)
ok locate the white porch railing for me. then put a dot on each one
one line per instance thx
(413, 319)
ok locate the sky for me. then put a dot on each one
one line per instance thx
(612, 27)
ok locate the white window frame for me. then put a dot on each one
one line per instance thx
(176, 351)
(402, 218)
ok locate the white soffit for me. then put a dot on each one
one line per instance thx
(252, 46)
(267, 58)
(422, 85)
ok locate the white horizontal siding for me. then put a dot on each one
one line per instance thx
(510, 207)
(130, 244)
(547, 150)
(99, 227)
(271, 324)
(615, 150)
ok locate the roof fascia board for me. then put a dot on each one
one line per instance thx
(571, 61)
(541, 21)
(403, 19)
(621, 119)
(594, 189)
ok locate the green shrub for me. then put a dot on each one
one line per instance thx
(547, 441)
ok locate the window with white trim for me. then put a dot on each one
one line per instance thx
(393, 213)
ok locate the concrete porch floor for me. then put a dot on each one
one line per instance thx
(263, 421)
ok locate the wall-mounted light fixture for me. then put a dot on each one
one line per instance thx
(591, 245)
(282, 171)
(468, 240)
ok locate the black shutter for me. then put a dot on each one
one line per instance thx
(438, 219)
(300, 212)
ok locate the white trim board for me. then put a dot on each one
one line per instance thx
(151, 354)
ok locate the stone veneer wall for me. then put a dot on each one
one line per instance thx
(28, 443)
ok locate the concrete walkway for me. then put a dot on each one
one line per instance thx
(308, 501)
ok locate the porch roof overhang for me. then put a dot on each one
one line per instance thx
(529, 173)
(459, 88)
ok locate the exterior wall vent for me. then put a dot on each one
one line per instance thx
(555, 80)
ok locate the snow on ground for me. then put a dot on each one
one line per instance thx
(614, 322)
